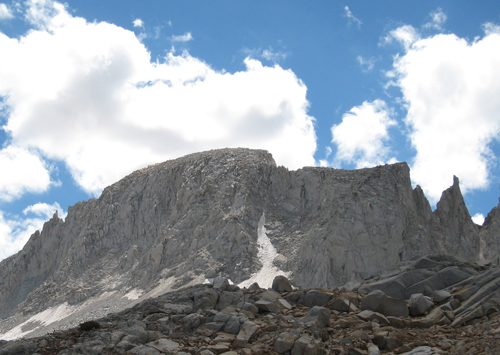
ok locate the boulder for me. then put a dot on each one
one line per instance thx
(221, 283)
(304, 345)
(378, 301)
(281, 284)
(419, 304)
(344, 305)
(284, 342)
(268, 306)
(316, 298)
(441, 295)
(232, 325)
(373, 349)
(270, 295)
(321, 314)
(247, 330)
(250, 308)
(254, 287)
(367, 315)
(422, 323)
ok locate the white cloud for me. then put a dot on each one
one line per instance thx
(438, 18)
(351, 17)
(362, 134)
(138, 23)
(491, 28)
(45, 210)
(87, 94)
(21, 172)
(273, 56)
(182, 38)
(5, 12)
(46, 14)
(451, 88)
(15, 231)
(406, 35)
(478, 218)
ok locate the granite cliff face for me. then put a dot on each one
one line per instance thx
(234, 213)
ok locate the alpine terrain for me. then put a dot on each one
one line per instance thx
(192, 244)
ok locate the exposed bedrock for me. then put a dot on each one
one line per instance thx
(196, 217)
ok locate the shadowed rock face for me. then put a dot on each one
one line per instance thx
(490, 237)
(196, 217)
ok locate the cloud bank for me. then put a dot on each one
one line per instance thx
(87, 94)
(449, 89)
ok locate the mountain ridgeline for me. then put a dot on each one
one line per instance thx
(196, 217)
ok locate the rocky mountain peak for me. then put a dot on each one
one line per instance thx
(230, 213)
(460, 235)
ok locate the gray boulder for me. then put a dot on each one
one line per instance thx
(268, 306)
(304, 345)
(419, 304)
(316, 298)
(367, 315)
(281, 284)
(320, 314)
(441, 295)
(246, 332)
(284, 342)
(221, 283)
(378, 301)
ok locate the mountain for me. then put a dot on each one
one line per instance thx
(230, 213)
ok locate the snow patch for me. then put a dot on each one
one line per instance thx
(266, 254)
(134, 294)
(46, 317)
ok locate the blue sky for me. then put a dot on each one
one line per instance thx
(93, 90)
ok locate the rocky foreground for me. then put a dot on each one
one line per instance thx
(436, 305)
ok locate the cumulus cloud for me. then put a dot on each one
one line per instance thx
(88, 94)
(451, 89)
(22, 172)
(16, 230)
(182, 38)
(362, 135)
(5, 12)
(406, 35)
(138, 23)
(478, 218)
(351, 18)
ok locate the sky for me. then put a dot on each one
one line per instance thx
(93, 90)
